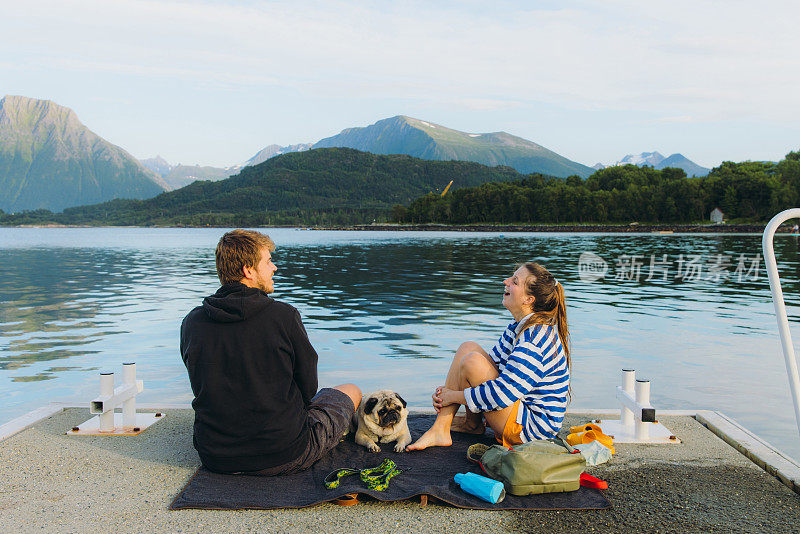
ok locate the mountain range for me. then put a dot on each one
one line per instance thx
(49, 159)
(421, 139)
(177, 176)
(410, 136)
(657, 161)
(275, 150)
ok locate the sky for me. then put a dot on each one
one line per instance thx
(213, 82)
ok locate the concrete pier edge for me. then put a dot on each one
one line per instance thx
(763, 454)
(757, 450)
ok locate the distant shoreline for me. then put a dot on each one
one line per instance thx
(567, 228)
(499, 228)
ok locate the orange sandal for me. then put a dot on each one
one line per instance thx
(584, 428)
(590, 436)
(347, 500)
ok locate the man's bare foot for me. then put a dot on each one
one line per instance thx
(432, 438)
(466, 426)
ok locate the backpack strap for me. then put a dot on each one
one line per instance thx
(561, 441)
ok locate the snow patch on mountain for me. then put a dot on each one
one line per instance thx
(657, 161)
(645, 158)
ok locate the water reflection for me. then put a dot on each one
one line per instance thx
(388, 309)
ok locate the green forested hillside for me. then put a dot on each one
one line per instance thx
(343, 186)
(325, 186)
(746, 192)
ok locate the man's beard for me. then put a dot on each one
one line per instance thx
(262, 285)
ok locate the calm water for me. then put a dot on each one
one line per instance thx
(387, 309)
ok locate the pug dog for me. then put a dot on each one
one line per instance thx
(382, 417)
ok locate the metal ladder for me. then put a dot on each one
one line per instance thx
(767, 243)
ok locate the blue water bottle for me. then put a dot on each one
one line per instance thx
(484, 488)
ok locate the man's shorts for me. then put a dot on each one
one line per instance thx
(329, 415)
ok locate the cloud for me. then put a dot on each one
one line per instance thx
(682, 118)
(111, 100)
(485, 104)
(669, 63)
(679, 60)
(200, 73)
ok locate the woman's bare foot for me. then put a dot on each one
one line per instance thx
(466, 426)
(434, 437)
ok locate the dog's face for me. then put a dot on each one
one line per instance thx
(385, 408)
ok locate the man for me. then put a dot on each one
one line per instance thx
(253, 372)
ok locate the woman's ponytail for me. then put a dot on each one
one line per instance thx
(561, 321)
(549, 305)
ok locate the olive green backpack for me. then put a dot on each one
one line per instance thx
(531, 468)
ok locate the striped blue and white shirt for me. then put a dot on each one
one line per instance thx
(532, 369)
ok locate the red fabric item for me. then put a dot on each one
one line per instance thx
(592, 482)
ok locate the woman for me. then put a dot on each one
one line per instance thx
(521, 386)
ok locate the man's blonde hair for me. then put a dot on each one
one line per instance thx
(238, 249)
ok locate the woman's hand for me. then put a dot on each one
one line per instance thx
(437, 399)
(444, 397)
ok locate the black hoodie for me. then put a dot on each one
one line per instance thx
(253, 373)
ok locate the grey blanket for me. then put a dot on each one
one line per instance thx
(428, 472)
